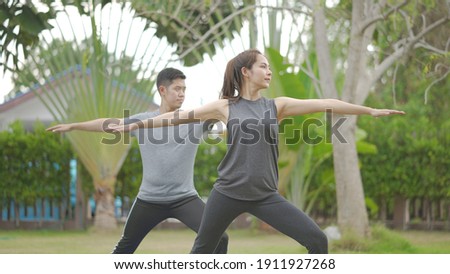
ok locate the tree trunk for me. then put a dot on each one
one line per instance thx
(352, 212)
(17, 214)
(401, 212)
(104, 199)
(383, 209)
(424, 208)
(427, 207)
(417, 204)
(447, 226)
(41, 204)
(432, 214)
(80, 205)
(441, 210)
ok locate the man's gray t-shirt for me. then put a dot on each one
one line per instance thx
(168, 155)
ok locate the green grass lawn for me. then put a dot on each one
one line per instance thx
(241, 241)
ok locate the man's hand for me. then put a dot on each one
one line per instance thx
(60, 128)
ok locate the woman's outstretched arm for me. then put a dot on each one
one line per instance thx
(214, 111)
(291, 107)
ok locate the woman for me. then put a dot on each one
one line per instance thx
(248, 174)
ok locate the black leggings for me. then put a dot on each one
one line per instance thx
(275, 210)
(145, 216)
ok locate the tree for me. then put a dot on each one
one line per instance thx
(194, 27)
(20, 29)
(410, 165)
(363, 71)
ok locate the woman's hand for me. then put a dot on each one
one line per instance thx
(385, 112)
(122, 128)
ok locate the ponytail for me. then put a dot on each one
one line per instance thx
(233, 78)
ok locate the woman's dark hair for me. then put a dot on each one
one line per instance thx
(233, 78)
(167, 75)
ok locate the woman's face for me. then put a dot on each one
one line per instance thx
(260, 73)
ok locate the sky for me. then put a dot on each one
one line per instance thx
(5, 84)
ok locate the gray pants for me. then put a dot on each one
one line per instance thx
(145, 216)
(275, 210)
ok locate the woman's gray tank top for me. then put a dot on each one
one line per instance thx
(249, 170)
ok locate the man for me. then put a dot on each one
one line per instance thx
(168, 154)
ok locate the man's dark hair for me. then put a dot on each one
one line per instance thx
(167, 75)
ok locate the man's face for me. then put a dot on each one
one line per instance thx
(173, 95)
